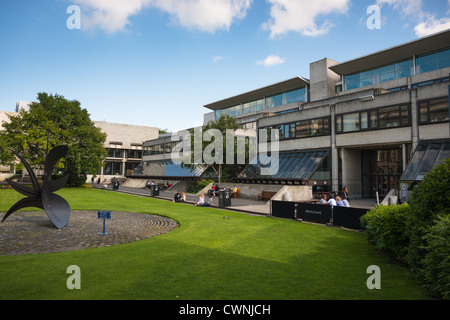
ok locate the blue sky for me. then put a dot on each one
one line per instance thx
(158, 62)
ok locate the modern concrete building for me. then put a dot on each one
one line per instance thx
(124, 144)
(356, 123)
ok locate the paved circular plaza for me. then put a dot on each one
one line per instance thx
(32, 232)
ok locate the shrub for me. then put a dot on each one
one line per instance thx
(436, 264)
(430, 199)
(385, 228)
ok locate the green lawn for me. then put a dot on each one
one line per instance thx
(207, 258)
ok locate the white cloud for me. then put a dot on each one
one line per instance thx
(407, 7)
(217, 58)
(431, 26)
(300, 16)
(271, 60)
(204, 15)
(414, 8)
(109, 15)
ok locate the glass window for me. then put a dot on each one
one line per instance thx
(350, 122)
(286, 131)
(292, 130)
(433, 61)
(388, 117)
(404, 115)
(113, 168)
(444, 63)
(134, 154)
(301, 129)
(427, 67)
(444, 54)
(373, 119)
(403, 69)
(386, 69)
(274, 101)
(366, 74)
(427, 58)
(434, 110)
(246, 108)
(315, 127)
(364, 120)
(295, 96)
(338, 123)
(115, 153)
(259, 104)
(387, 77)
(384, 73)
(326, 126)
(423, 110)
(439, 110)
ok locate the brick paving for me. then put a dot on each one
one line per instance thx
(31, 232)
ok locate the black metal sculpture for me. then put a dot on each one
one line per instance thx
(56, 207)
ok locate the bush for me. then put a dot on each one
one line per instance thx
(436, 264)
(385, 228)
(418, 233)
(430, 199)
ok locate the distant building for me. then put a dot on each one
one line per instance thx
(123, 144)
(22, 105)
(368, 123)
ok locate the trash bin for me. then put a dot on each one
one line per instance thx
(156, 192)
(224, 198)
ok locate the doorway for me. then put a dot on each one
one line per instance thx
(381, 171)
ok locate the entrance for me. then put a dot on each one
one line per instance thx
(382, 169)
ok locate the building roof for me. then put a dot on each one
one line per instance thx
(423, 45)
(427, 155)
(292, 166)
(268, 91)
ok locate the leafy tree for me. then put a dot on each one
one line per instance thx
(223, 169)
(59, 121)
(429, 200)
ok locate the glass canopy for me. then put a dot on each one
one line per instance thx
(167, 168)
(291, 166)
(426, 156)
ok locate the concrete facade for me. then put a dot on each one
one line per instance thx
(358, 154)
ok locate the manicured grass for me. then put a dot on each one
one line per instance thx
(207, 258)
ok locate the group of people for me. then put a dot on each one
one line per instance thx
(213, 191)
(341, 199)
(201, 201)
(179, 197)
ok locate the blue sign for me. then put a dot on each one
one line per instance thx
(104, 214)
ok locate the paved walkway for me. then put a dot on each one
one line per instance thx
(237, 204)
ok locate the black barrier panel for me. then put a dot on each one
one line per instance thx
(283, 209)
(320, 213)
(348, 217)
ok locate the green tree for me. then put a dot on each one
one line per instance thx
(59, 121)
(223, 169)
(429, 200)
